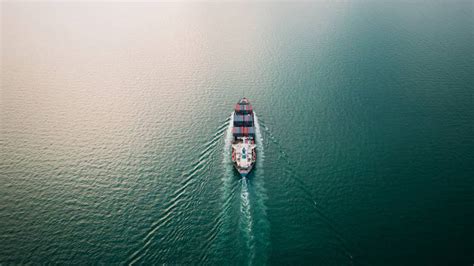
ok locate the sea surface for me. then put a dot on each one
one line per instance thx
(115, 133)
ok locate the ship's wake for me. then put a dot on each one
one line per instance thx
(246, 221)
(244, 231)
(291, 173)
(179, 198)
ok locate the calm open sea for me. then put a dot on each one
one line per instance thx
(115, 143)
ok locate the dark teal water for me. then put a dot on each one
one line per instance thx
(114, 133)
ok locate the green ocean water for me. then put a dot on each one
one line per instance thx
(115, 130)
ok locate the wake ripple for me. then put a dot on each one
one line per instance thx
(178, 197)
(291, 173)
(223, 227)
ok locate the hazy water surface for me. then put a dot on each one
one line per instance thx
(115, 143)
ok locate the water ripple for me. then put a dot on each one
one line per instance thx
(178, 197)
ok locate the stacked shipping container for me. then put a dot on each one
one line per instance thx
(243, 108)
(243, 120)
(243, 132)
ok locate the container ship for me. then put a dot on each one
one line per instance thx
(244, 152)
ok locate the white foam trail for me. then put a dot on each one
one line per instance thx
(246, 220)
(228, 143)
(226, 159)
(253, 206)
(259, 138)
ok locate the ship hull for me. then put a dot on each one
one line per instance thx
(244, 152)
